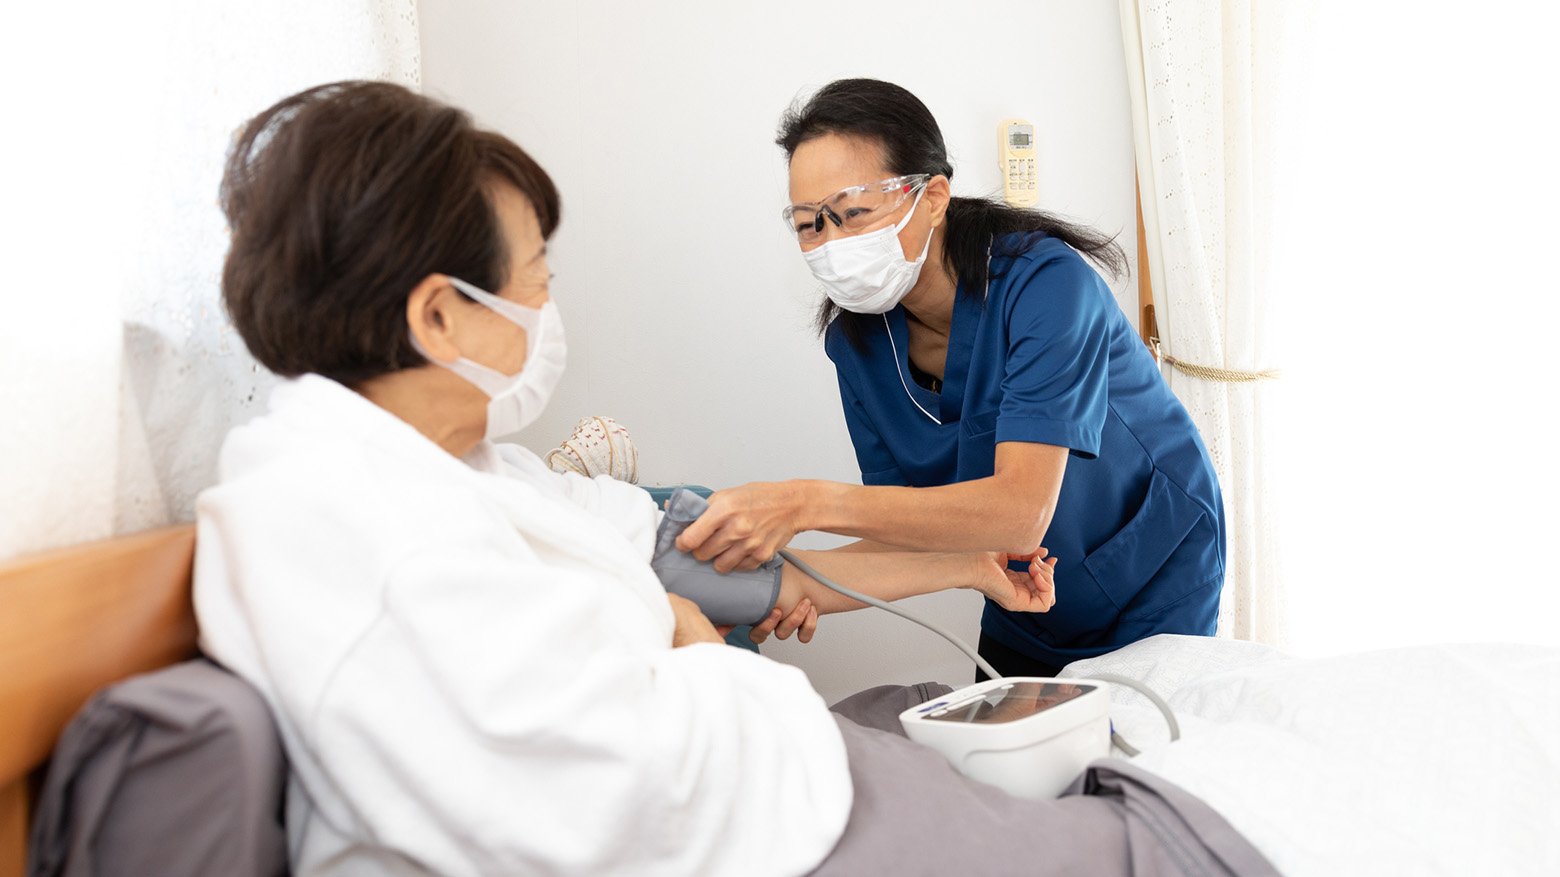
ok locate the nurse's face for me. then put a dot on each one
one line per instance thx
(824, 165)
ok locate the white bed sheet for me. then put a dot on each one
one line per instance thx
(1427, 760)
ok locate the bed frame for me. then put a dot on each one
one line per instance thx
(71, 622)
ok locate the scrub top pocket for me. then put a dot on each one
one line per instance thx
(978, 425)
(1130, 559)
(977, 453)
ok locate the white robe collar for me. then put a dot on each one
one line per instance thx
(530, 496)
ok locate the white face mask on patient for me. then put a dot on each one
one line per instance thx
(514, 401)
(868, 273)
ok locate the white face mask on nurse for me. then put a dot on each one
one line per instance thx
(867, 272)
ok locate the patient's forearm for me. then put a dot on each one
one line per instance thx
(885, 575)
(867, 545)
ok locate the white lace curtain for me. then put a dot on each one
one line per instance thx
(118, 371)
(1206, 81)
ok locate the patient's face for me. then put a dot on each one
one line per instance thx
(499, 343)
(528, 274)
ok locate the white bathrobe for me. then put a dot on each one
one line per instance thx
(471, 664)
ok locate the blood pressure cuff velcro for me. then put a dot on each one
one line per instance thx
(737, 597)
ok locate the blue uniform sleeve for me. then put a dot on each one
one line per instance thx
(877, 464)
(1054, 384)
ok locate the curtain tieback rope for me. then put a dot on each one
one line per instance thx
(1208, 372)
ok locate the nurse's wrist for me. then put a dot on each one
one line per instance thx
(972, 567)
(982, 572)
(822, 506)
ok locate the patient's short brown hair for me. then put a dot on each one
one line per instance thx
(340, 200)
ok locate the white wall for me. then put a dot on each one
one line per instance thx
(687, 306)
(119, 372)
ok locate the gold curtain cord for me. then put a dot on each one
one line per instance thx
(1150, 326)
(1208, 372)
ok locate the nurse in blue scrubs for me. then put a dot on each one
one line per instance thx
(997, 397)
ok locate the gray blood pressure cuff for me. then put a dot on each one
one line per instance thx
(737, 597)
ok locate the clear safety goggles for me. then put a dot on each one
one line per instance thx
(852, 209)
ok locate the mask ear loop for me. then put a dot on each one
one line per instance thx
(485, 378)
(529, 319)
(900, 226)
(489, 380)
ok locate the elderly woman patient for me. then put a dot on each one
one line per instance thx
(472, 665)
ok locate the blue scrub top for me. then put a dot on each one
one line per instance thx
(1049, 357)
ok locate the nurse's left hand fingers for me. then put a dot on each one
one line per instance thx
(1020, 594)
(1043, 575)
(1043, 566)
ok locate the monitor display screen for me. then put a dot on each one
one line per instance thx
(1010, 703)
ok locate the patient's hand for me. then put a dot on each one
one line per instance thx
(1031, 591)
(802, 621)
(692, 627)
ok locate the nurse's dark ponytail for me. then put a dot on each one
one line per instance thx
(913, 144)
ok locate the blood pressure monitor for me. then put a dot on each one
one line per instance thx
(1029, 736)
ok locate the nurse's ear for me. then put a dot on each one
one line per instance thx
(938, 194)
(431, 317)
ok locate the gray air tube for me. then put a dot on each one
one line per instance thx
(737, 597)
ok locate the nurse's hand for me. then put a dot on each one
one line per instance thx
(1030, 591)
(692, 627)
(744, 526)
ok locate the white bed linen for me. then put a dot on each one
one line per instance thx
(1426, 760)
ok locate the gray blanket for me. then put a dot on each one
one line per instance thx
(914, 814)
(180, 772)
(177, 773)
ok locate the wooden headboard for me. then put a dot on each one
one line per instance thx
(71, 622)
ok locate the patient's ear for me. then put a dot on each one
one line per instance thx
(431, 316)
